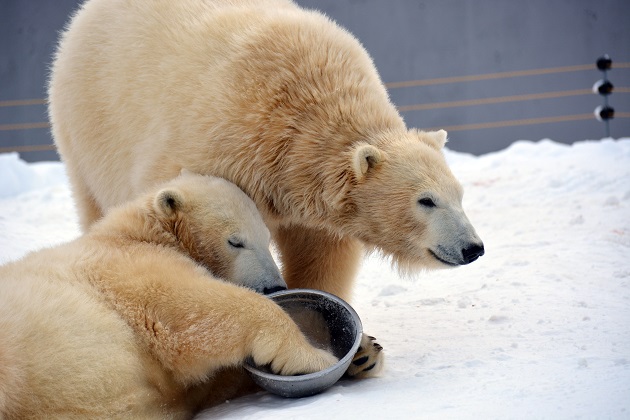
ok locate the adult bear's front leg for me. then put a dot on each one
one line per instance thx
(315, 259)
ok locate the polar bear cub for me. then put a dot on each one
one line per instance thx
(144, 315)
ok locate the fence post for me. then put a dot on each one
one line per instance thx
(604, 87)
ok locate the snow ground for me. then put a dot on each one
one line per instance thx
(537, 328)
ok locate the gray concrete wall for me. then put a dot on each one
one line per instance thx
(28, 35)
(410, 40)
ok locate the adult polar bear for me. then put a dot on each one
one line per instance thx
(277, 99)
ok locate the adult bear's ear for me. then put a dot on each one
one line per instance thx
(169, 202)
(435, 139)
(365, 157)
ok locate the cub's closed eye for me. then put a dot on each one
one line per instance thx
(426, 202)
(235, 243)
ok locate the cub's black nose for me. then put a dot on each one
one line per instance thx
(471, 253)
(270, 290)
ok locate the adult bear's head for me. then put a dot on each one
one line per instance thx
(407, 202)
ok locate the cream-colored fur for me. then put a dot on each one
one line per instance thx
(277, 99)
(129, 322)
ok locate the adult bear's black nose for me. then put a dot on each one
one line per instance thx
(270, 290)
(473, 252)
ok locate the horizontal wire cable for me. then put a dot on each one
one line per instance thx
(495, 100)
(502, 99)
(24, 126)
(23, 102)
(528, 121)
(493, 76)
(32, 148)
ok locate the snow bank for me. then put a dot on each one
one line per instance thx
(18, 176)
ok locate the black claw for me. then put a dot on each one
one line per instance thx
(360, 360)
(378, 347)
(371, 338)
(369, 367)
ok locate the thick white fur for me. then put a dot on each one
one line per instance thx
(275, 98)
(128, 321)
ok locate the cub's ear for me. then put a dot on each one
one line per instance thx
(169, 202)
(435, 139)
(364, 158)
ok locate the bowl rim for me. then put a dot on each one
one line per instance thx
(344, 360)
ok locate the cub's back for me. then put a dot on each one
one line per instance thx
(56, 336)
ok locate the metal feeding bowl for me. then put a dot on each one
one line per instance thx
(328, 323)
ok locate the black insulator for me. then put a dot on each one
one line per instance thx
(604, 113)
(603, 87)
(604, 62)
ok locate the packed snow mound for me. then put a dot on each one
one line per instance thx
(18, 176)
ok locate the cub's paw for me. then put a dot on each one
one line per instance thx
(296, 362)
(369, 360)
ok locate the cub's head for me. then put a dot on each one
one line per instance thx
(220, 227)
(408, 203)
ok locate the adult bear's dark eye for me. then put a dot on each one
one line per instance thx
(426, 202)
(236, 243)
